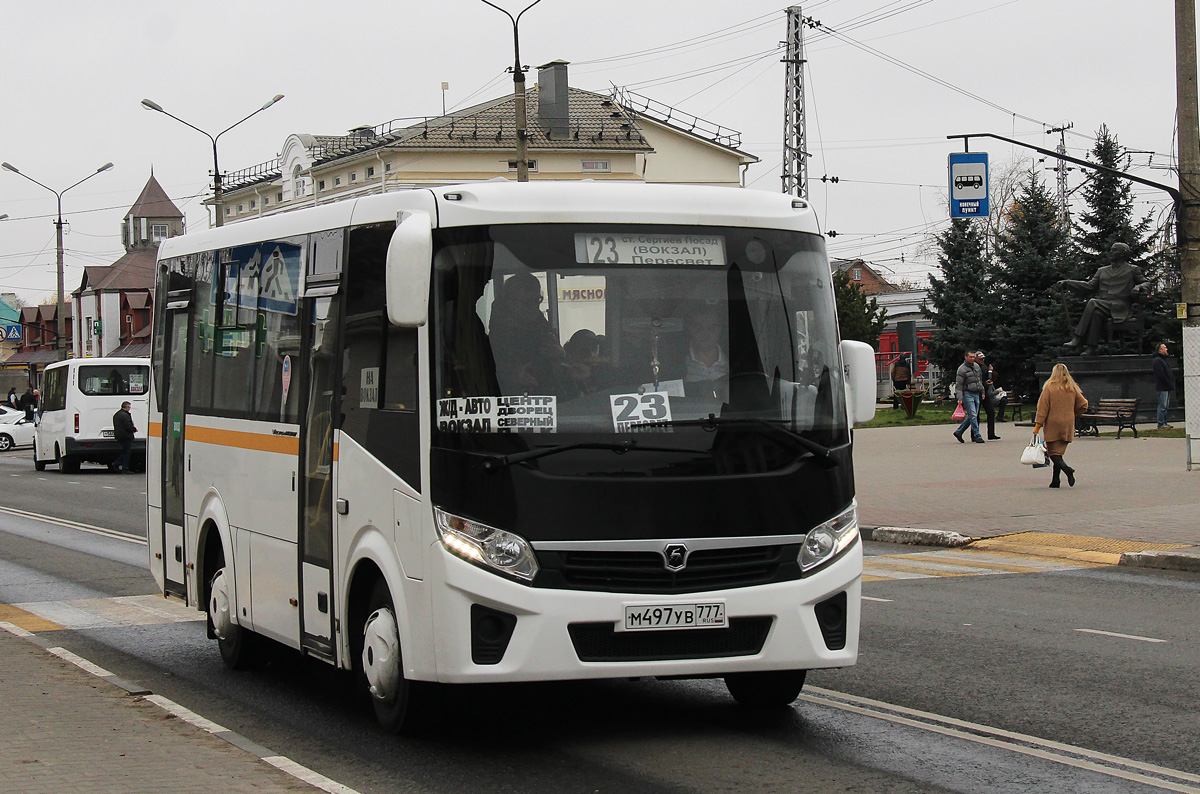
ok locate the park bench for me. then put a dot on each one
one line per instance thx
(1109, 411)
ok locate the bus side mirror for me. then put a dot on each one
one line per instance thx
(409, 261)
(858, 358)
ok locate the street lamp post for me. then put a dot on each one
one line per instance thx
(58, 225)
(217, 203)
(518, 92)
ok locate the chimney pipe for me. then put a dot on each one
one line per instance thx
(554, 111)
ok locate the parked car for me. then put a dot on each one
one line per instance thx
(15, 431)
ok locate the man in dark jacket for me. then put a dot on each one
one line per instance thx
(1164, 384)
(123, 431)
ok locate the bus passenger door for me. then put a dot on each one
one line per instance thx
(173, 463)
(317, 427)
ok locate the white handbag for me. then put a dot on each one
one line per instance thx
(1035, 452)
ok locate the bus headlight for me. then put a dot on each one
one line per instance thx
(486, 546)
(830, 539)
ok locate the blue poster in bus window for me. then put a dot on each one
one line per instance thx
(968, 185)
(267, 278)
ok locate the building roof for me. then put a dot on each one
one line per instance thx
(133, 350)
(33, 357)
(597, 123)
(153, 203)
(134, 271)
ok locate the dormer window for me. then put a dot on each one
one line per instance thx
(856, 274)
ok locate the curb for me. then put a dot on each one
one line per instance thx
(1163, 560)
(915, 537)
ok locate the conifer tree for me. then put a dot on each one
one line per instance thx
(958, 303)
(1109, 219)
(859, 317)
(1032, 255)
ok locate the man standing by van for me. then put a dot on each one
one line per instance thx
(123, 431)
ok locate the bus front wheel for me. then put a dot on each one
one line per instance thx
(770, 688)
(392, 695)
(238, 645)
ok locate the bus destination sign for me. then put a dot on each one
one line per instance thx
(603, 248)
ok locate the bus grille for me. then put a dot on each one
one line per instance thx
(600, 642)
(644, 571)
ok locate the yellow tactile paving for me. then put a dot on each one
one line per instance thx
(26, 620)
(1023, 552)
(1076, 542)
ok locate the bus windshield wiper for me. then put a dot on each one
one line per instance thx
(532, 454)
(822, 453)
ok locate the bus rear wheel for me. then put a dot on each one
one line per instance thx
(38, 465)
(770, 688)
(239, 646)
(393, 697)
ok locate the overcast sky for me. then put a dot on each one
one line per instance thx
(884, 89)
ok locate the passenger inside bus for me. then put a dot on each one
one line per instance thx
(583, 359)
(529, 359)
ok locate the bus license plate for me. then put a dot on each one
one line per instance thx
(107, 434)
(657, 617)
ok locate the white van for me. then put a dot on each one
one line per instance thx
(78, 399)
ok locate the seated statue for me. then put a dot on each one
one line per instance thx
(1114, 289)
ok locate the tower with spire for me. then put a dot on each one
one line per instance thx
(113, 303)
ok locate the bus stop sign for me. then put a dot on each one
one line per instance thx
(968, 185)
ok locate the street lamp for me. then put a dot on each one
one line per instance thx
(58, 225)
(151, 105)
(518, 91)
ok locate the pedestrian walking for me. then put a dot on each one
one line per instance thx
(1164, 384)
(968, 382)
(1058, 406)
(123, 431)
(28, 403)
(989, 394)
(901, 377)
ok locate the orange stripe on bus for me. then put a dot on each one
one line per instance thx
(155, 430)
(286, 445)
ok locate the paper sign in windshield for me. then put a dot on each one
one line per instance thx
(516, 414)
(649, 249)
(631, 411)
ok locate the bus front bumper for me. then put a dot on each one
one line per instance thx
(572, 634)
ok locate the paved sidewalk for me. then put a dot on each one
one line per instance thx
(63, 729)
(1126, 489)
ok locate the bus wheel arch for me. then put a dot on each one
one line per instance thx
(239, 646)
(376, 650)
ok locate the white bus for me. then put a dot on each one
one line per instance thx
(75, 417)
(370, 444)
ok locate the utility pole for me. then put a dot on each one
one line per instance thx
(518, 92)
(1189, 214)
(795, 141)
(1064, 212)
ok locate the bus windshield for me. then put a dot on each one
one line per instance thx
(614, 330)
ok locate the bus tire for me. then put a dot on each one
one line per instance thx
(393, 697)
(68, 464)
(38, 465)
(770, 688)
(239, 646)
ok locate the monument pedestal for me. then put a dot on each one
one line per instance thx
(1123, 377)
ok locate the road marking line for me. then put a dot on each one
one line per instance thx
(307, 775)
(869, 598)
(102, 613)
(62, 522)
(1122, 636)
(28, 621)
(1008, 740)
(80, 662)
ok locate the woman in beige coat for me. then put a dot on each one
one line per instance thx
(1060, 403)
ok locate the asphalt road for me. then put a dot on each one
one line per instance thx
(949, 670)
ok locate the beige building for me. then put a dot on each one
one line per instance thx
(572, 134)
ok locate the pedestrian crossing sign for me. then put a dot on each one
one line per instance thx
(12, 333)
